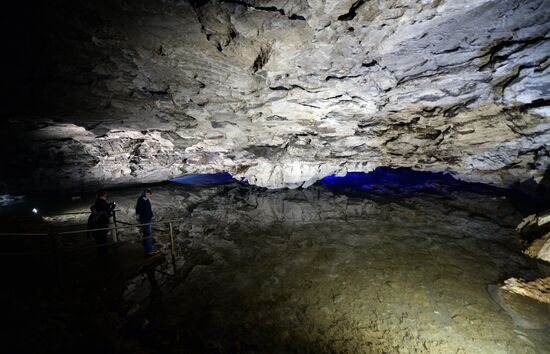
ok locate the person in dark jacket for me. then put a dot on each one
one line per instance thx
(92, 221)
(145, 215)
(103, 212)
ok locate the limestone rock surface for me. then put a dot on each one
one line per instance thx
(519, 302)
(538, 289)
(534, 231)
(279, 92)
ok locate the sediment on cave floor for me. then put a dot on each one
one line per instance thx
(299, 270)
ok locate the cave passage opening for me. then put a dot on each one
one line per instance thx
(382, 180)
(205, 179)
(405, 181)
(401, 182)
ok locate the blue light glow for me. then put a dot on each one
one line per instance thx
(402, 181)
(205, 179)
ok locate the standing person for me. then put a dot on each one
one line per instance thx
(145, 215)
(103, 213)
(92, 221)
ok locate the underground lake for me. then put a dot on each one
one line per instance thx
(386, 262)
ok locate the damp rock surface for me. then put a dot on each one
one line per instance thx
(311, 271)
(537, 289)
(314, 271)
(535, 233)
(279, 92)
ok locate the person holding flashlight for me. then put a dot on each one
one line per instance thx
(104, 211)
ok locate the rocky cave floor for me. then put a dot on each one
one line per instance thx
(304, 271)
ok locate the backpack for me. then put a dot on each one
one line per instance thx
(98, 220)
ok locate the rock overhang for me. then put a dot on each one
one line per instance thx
(282, 93)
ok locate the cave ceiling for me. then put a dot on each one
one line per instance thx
(279, 92)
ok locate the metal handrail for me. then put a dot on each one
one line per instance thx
(23, 253)
(128, 226)
(118, 227)
(55, 238)
(22, 234)
(73, 213)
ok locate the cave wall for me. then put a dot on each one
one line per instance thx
(279, 92)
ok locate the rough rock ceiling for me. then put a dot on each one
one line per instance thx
(280, 92)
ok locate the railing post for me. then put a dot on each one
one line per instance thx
(172, 247)
(115, 235)
(56, 260)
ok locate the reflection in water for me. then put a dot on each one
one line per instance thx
(311, 271)
(316, 271)
(205, 179)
